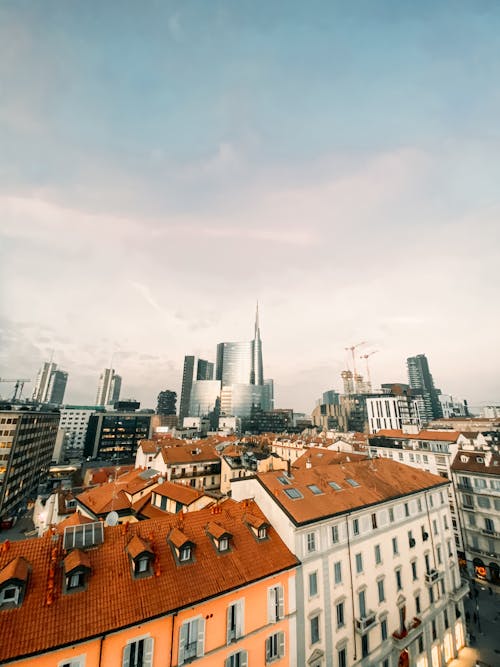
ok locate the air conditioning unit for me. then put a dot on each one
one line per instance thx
(431, 577)
(425, 536)
(412, 542)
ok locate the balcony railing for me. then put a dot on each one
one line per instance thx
(460, 592)
(490, 533)
(404, 636)
(432, 576)
(364, 623)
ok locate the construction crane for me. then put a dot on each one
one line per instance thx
(18, 386)
(352, 348)
(366, 357)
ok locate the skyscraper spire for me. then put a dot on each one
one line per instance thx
(257, 330)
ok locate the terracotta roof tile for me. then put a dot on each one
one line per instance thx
(114, 598)
(76, 558)
(192, 453)
(216, 530)
(115, 495)
(18, 569)
(255, 521)
(442, 436)
(379, 480)
(180, 492)
(476, 462)
(76, 519)
(316, 457)
(178, 538)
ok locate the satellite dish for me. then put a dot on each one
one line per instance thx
(111, 519)
(160, 480)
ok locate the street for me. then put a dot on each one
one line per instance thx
(483, 625)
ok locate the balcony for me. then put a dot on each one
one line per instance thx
(432, 576)
(401, 638)
(489, 533)
(460, 592)
(364, 623)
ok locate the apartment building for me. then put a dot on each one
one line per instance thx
(432, 451)
(379, 581)
(195, 464)
(215, 587)
(476, 476)
(27, 440)
(74, 421)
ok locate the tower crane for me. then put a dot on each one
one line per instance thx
(352, 348)
(366, 357)
(18, 386)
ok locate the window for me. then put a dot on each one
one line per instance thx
(417, 604)
(275, 646)
(419, 500)
(489, 526)
(9, 594)
(383, 629)
(340, 614)
(399, 584)
(235, 621)
(355, 527)
(395, 546)
(239, 659)
(294, 494)
(192, 639)
(378, 555)
(352, 482)
(337, 570)
(374, 521)
(434, 630)
(445, 522)
(276, 608)
(223, 544)
(365, 648)
(438, 554)
(427, 563)
(142, 565)
(414, 570)
(391, 514)
(75, 580)
(342, 657)
(446, 621)
(74, 662)
(362, 603)
(314, 489)
(314, 624)
(420, 644)
(434, 527)
(313, 584)
(381, 591)
(431, 595)
(467, 500)
(359, 563)
(407, 509)
(335, 486)
(311, 542)
(411, 540)
(138, 653)
(335, 534)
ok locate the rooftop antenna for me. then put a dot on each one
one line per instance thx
(112, 517)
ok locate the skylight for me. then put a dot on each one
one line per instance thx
(335, 486)
(283, 480)
(81, 537)
(352, 482)
(315, 489)
(293, 493)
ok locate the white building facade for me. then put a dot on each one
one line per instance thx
(391, 412)
(379, 583)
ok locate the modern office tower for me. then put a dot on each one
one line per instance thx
(241, 363)
(387, 411)
(269, 398)
(108, 391)
(205, 395)
(330, 397)
(50, 384)
(167, 401)
(422, 384)
(27, 440)
(194, 369)
(114, 436)
(74, 422)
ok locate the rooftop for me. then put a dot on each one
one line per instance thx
(113, 597)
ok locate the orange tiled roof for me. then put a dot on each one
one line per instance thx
(442, 436)
(115, 495)
(255, 521)
(180, 492)
(473, 465)
(18, 568)
(317, 457)
(193, 453)
(114, 599)
(379, 480)
(74, 559)
(216, 530)
(178, 538)
(150, 511)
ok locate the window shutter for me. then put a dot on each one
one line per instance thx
(281, 605)
(200, 650)
(228, 626)
(271, 615)
(281, 644)
(243, 659)
(268, 649)
(240, 618)
(126, 656)
(182, 642)
(148, 652)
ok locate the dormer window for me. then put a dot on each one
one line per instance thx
(257, 525)
(182, 547)
(220, 537)
(75, 580)
(76, 570)
(13, 582)
(141, 556)
(262, 533)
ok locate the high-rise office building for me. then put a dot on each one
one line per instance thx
(422, 385)
(50, 384)
(167, 401)
(241, 363)
(108, 391)
(194, 369)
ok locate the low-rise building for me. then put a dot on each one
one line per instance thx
(238, 461)
(215, 587)
(379, 581)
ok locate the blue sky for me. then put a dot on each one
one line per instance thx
(165, 164)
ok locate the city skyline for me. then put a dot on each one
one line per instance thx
(165, 166)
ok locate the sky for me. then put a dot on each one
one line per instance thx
(166, 164)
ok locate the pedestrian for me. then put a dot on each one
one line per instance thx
(475, 617)
(490, 590)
